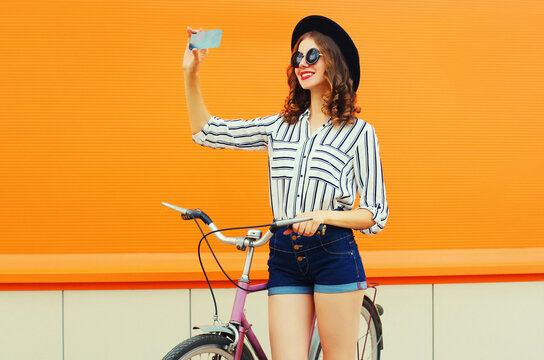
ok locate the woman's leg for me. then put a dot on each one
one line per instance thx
(338, 322)
(290, 318)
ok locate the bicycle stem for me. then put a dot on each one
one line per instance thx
(247, 266)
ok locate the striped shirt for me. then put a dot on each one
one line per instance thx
(308, 172)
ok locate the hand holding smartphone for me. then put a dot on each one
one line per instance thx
(205, 39)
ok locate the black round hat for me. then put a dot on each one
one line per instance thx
(328, 27)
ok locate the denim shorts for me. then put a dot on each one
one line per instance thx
(306, 264)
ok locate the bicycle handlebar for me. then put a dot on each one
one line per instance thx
(188, 214)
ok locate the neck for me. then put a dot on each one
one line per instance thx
(317, 103)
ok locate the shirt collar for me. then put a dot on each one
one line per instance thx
(306, 116)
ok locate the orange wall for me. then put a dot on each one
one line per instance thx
(94, 132)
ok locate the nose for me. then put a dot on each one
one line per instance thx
(303, 62)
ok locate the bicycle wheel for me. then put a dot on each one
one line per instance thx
(205, 346)
(372, 347)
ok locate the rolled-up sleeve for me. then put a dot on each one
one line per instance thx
(237, 134)
(369, 179)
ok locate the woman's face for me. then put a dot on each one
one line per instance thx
(311, 77)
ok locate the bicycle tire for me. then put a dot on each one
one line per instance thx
(211, 344)
(372, 350)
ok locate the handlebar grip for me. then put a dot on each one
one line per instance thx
(320, 229)
(187, 214)
(196, 214)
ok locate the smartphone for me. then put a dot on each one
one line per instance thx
(205, 39)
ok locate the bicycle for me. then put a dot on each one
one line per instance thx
(236, 339)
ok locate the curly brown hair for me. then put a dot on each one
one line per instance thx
(339, 101)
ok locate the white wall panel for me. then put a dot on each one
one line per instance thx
(31, 325)
(489, 321)
(407, 321)
(124, 324)
(471, 321)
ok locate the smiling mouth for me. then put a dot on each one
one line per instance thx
(306, 75)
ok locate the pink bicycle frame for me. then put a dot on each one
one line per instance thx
(244, 327)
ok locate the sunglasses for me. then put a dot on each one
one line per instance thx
(311, 57)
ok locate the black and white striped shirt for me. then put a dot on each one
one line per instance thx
(308, 172)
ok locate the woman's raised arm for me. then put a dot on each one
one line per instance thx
(198, 113)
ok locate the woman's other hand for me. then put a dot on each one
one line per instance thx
(193, 58)
(308, 228)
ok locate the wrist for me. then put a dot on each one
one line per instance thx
(326, 216)
(191, 73)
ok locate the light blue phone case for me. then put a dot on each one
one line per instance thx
(205, 39)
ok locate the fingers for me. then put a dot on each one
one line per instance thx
(199, 54)
(304, 228)
(190, 31)
(310, 229)
(307, 228)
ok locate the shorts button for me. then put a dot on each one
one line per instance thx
(300, 258)
(296, 247)
(293, 237)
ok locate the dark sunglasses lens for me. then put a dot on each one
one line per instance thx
(312, 56)
(296, 59)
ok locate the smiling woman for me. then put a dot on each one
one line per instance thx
(320, 156)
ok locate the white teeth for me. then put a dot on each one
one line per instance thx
(305, 76)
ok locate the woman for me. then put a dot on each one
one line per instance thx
(320, 156)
